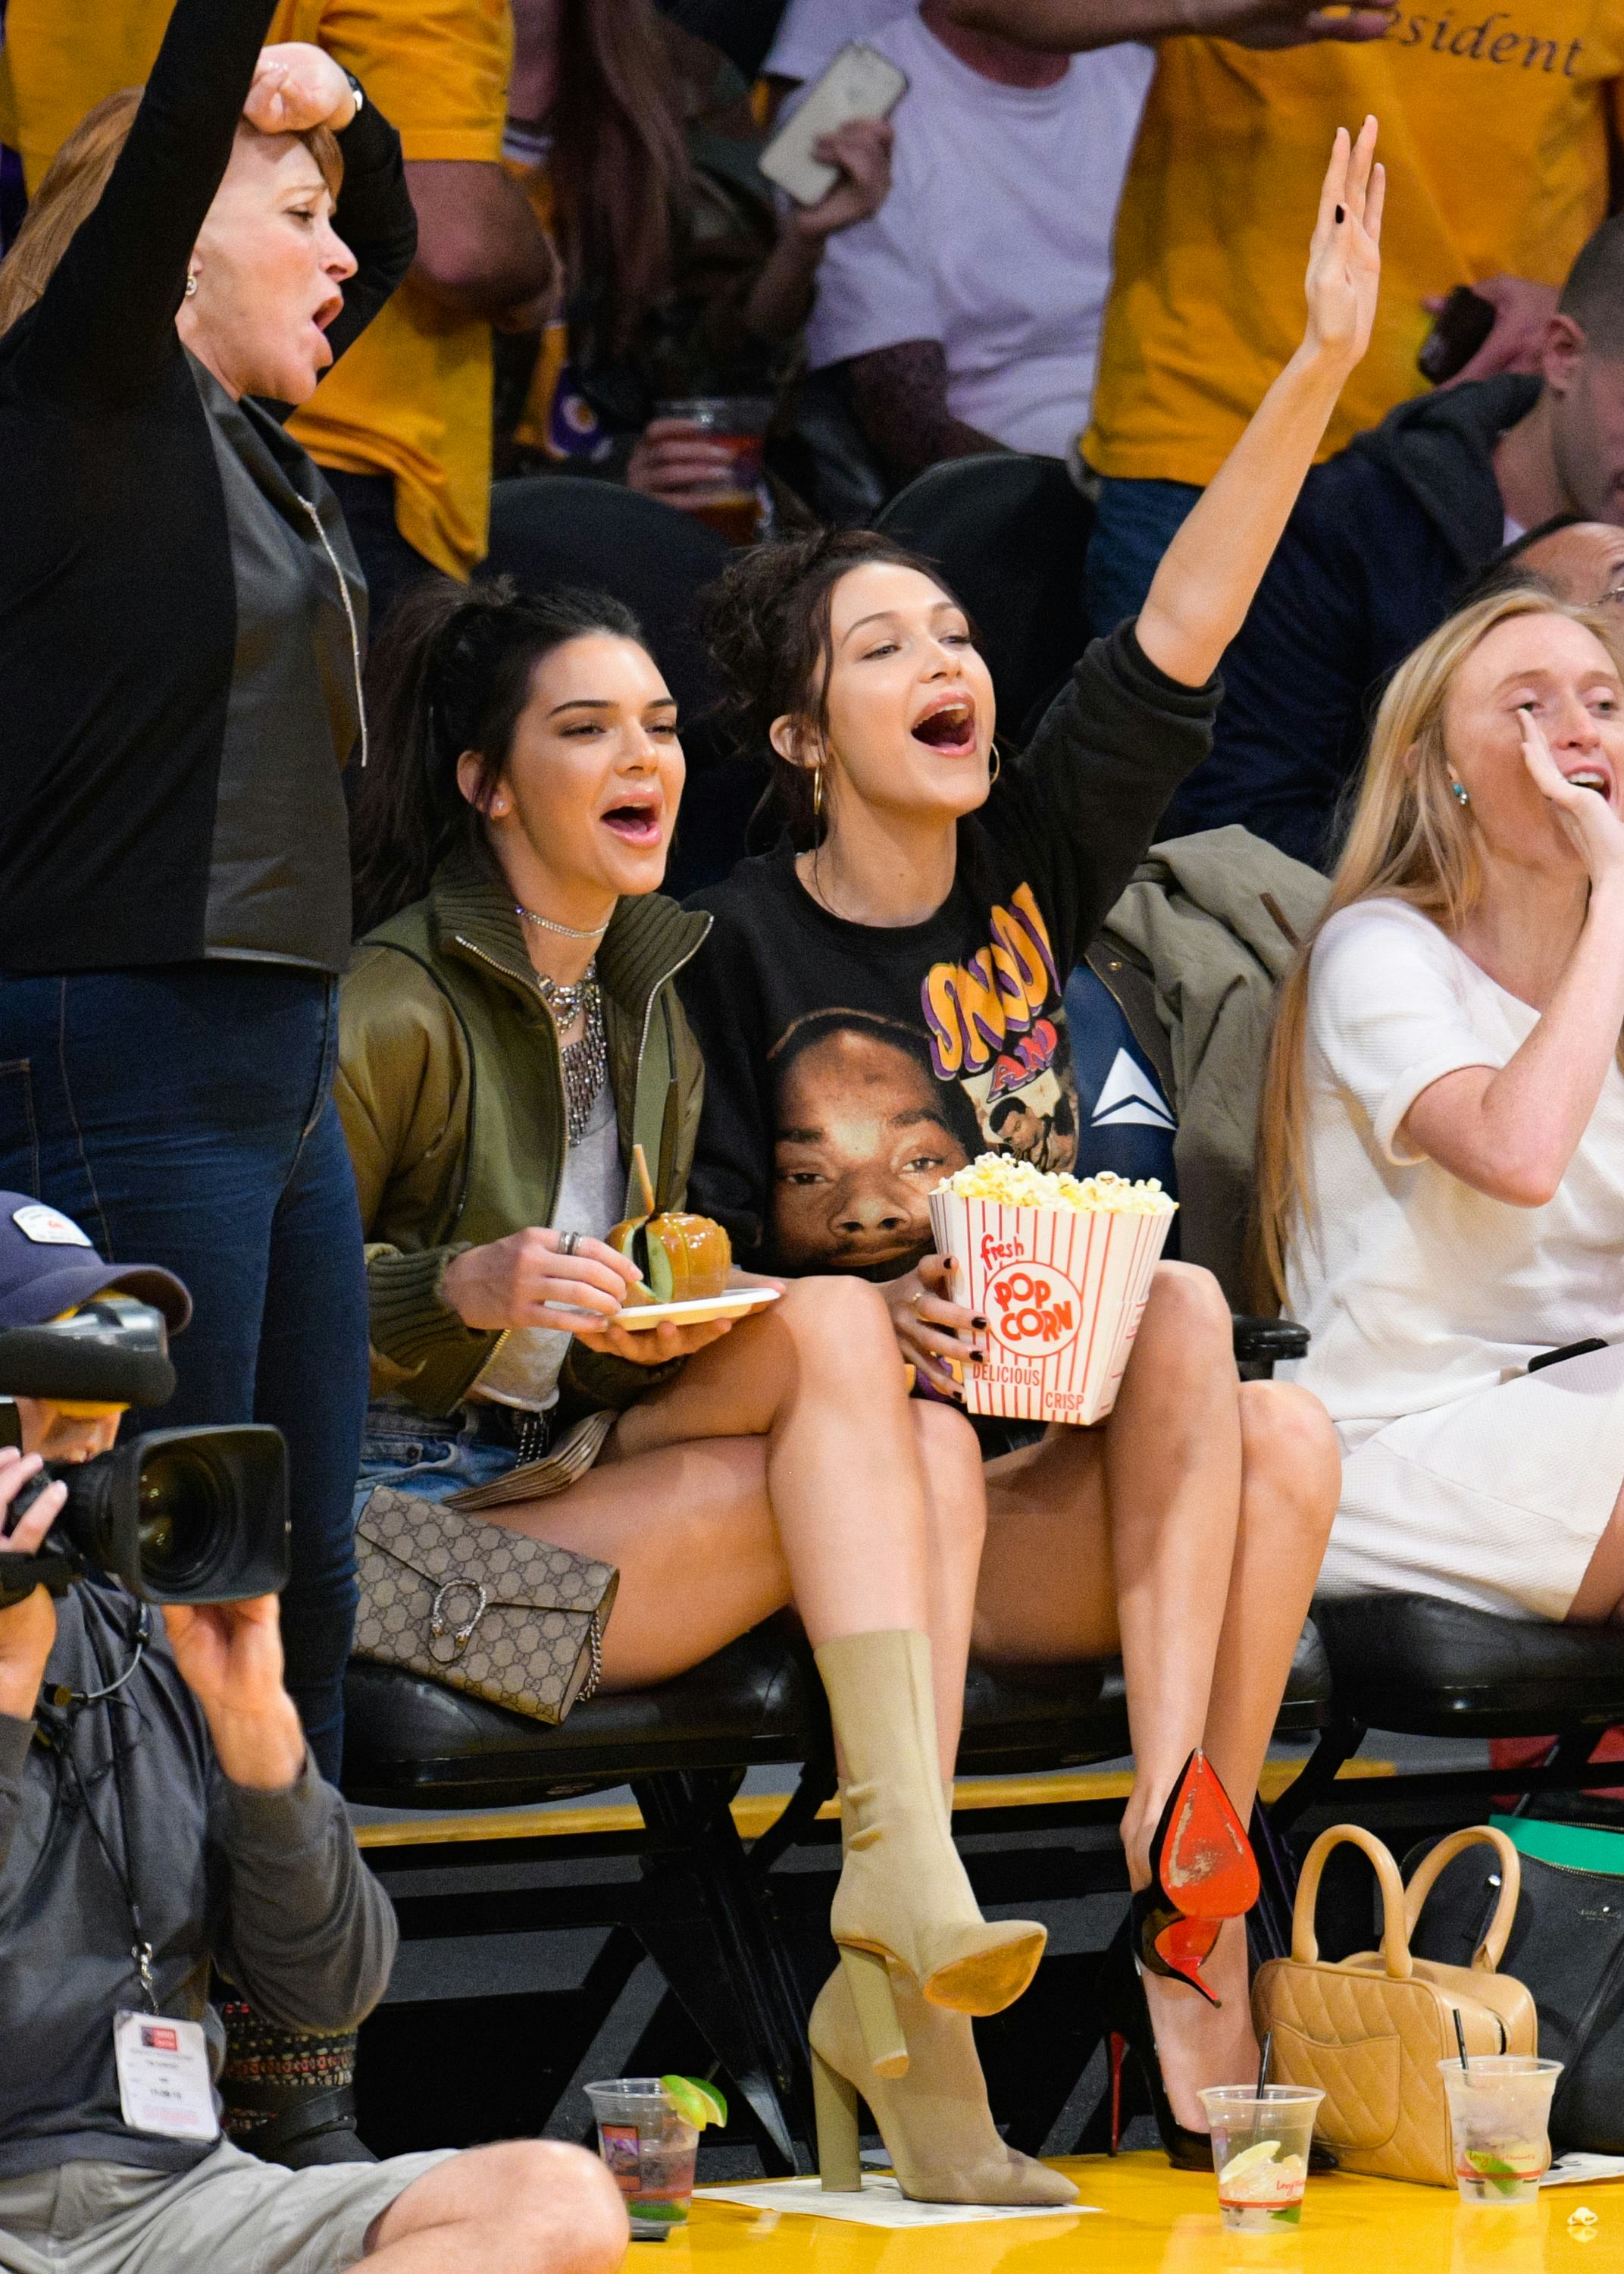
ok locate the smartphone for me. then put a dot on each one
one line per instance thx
(1459, 330)
(859, 83)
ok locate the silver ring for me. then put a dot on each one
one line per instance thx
(569, 1241)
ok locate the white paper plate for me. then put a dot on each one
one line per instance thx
(737, 1303)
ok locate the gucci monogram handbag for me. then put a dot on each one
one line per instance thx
(1369, 2031)
(479, 1607)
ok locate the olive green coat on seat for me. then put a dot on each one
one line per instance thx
(450, 1088)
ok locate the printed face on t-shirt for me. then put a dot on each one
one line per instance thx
(861, 1140)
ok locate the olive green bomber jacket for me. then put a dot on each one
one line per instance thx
(450, 1088)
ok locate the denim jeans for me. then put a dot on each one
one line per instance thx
(185, 1116)
(1134, 524)
(424, 1458)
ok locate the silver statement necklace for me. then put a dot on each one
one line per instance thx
(586, 1060)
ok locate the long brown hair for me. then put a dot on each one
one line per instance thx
(72, 190)
(1410, 841)
(619, 164)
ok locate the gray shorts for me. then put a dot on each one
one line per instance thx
(230, 2214)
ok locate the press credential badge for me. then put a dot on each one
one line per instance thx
(163, 2080)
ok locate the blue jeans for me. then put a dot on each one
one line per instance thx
(1134, 524)
(424, 1458)
(185, 1116)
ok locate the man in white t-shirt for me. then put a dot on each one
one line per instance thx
(966, 314)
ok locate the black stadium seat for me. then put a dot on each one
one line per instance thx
(1420, 1666)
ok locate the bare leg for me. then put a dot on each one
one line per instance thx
(1203, 1507)
(524, 2207)
(1600, 1598)
(877, 1503)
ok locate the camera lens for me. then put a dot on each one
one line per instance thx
(183, 1516)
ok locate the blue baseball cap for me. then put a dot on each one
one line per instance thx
(49, 1265)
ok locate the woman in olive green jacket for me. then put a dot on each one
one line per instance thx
(509, 1031)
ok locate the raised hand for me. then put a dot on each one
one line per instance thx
(1344, 255)
(297, 86)
(1588, 818)
(230, 1656)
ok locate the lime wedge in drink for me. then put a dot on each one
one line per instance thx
(1261, 2151)
(695, 2101)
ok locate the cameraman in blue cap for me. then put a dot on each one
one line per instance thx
(159, 1815)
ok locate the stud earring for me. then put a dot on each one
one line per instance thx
(1459, 791)
(499, 805)
(192, 284)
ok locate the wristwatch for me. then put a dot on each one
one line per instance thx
(360, 93)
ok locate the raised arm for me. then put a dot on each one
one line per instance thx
(1510, 1132)
(1209, 573)
(1077, 25)
(104, 329)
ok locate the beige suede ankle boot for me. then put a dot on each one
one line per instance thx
(904, 1905)
(934, 2121)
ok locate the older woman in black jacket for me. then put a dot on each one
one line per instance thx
(182, 623)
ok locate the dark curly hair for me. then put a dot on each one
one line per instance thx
(451, 672)
(766, 621)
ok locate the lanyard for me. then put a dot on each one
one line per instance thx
(119, 1864)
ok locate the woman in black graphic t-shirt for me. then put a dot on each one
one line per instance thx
(885, 994)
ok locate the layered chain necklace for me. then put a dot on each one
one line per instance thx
(586, 1060)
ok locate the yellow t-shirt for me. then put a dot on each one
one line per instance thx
(412, 398)
(1494, 131)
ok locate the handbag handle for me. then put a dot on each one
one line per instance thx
(1394, 1933)
(1492, 1949)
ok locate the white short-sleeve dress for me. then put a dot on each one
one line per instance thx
(1464, 1475)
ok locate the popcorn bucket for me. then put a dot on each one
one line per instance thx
(1062, 1290)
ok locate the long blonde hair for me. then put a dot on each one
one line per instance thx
(72, 190)
(1410, 840)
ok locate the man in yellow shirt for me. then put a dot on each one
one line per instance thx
(402, 426)
(1494, 131)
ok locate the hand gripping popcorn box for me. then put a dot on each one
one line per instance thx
(1060, 1268)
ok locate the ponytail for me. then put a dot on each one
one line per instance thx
(451, 674)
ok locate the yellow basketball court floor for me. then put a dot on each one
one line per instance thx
(1157, 2221)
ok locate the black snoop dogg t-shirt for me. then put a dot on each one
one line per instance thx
(848, 1068)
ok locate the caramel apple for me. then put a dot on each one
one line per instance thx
(683, 1259)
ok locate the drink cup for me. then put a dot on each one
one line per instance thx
(650, 2149)
(739, 506)
(1062, 1290)
(1499, 2107)
(1260, 2143)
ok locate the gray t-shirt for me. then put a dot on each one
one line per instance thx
(526, 1368)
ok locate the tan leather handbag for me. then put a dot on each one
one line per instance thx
(1369, 2031)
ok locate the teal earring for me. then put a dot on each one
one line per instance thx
(1460, 793)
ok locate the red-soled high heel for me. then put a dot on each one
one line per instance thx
(1202, 1871)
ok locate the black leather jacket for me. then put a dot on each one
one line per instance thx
(181, 615)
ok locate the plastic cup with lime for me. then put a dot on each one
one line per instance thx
(1499, 2105)
(648, 2133)
(1260, 2143)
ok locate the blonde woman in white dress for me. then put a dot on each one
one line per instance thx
(1443, 1126)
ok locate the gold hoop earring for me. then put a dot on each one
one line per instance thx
(192, 284)
(997, 767)
(817, 793)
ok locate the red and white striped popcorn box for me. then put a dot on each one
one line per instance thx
(1063, 1291)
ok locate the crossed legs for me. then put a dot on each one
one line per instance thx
(1188, 1532)
(784, 1464)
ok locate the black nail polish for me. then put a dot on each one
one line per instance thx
(979, 1325)
(979, 1357)
(1340, 215)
